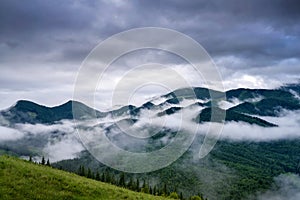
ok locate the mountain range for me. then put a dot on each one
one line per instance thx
(236, 168)
(250, 105)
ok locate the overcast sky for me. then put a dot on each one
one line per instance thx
(255, 44)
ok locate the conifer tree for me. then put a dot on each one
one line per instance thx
(98, 176)
(43, 161)
(48, 162)
(107, 177)
(89, 173)
(79, 170)
(130, 184)
(103, 177)
(154, 190)
(113, 179)
(165, 191)
(181, 196)
(122, 180)
(82, 171)
(137, 187)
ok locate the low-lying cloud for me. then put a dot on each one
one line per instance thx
(7, 134)
(56, 142)
(64, 148)
(288, 128)
(60, 141)
(286, 187)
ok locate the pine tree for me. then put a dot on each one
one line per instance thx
(79, 170)
(122, 180)
(154, 191)
(137, 188)
(43, 161)
(144, 184)
(98, 176)
(181, 196)
(82, 171)
(107, 177)
(165, 191)
(113, 180)
(30, 158)
(89, 173)
(48, 162)
(130, 184)
(103, 177)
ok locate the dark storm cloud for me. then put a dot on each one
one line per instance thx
(48, 40)
(265, 29)
(19, 18)
(34, 26)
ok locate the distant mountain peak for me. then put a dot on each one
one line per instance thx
(25, 111)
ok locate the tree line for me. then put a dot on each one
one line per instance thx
(43, 161)
(134, 184)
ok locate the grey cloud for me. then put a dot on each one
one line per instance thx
(18, 17)
(9, 134)
(67, 147)
(223, 28)
(38, 34)
(57, 141)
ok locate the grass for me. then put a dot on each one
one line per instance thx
(20, 179)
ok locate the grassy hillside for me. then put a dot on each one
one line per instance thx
(21, 179)
(233, 170)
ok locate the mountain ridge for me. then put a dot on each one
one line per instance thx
(257, 102)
